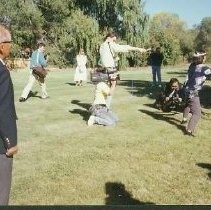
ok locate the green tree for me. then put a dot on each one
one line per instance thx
(168, 31)
(67, 25)
(203, 37)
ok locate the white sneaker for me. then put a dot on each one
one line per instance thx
(91, 120)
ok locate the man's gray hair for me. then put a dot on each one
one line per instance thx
(4, 34)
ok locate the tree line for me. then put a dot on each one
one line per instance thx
(67, 25)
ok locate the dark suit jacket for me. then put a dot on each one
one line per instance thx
(8, 127)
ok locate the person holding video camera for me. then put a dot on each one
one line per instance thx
(196, 77)
(171, 97)
(108, 55)
(100, 113)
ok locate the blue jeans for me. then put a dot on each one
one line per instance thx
(156, 73)
(103, 116)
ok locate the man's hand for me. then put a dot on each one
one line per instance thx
(12, 151)
(167, 98)
(143, 50)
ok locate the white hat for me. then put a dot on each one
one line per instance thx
(198, 54)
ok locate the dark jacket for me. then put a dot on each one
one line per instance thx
(156, 58)
(8, 127)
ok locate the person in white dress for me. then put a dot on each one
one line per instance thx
(80, 71)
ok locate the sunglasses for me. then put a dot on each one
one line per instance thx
(7, 42)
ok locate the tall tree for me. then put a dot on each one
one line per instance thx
(203, 38)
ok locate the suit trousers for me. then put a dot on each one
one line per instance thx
(5, 178)
(29, 85)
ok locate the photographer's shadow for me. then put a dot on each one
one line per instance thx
(83, 112)
(116, 194)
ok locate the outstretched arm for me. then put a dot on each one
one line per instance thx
(126, 48)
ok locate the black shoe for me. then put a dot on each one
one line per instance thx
(189, 133)
(31, 93)
(21, 99)
(183, 121)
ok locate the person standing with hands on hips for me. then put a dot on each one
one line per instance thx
(109, 58)
(8, 127)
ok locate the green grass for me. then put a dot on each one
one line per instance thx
(144, 159)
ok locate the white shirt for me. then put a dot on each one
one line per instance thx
(2, 61)
(81, 60)
(107, 54)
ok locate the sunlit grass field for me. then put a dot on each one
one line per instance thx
(145, 159)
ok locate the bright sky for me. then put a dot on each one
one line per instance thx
(190, 11)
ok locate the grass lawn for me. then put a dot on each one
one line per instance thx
(146, 158)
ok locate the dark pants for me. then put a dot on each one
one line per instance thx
(5, 178)
(194, 108)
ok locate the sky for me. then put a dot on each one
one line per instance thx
(189, 11)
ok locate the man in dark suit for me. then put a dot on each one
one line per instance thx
(8, 128)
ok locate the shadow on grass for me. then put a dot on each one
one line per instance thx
(70, 83)
(116, 194)
(84, 113)
(205, 98)
(181, 73)
(206, 166)
(165, 117)
(33, 94)
(142, 88)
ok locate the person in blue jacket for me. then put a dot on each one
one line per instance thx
(37, 59)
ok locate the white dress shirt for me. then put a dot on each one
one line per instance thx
(108, 50)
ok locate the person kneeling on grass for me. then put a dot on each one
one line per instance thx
(100, 113)
(171, 97)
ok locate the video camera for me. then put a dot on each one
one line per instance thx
(101, 74)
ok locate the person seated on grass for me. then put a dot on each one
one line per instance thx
(171, 97)
(100, 113)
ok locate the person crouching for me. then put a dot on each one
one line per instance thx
(100, 113)
(171, 97)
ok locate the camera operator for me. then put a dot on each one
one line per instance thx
(100, 113)
(108, 56)
(171, 98)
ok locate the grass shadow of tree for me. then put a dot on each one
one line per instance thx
(205, 98)
(181, 73)
(142, 88)
(116, 194)
(206, 166)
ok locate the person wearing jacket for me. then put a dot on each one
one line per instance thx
(37, 59)
(196, 77)
(8, 127)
